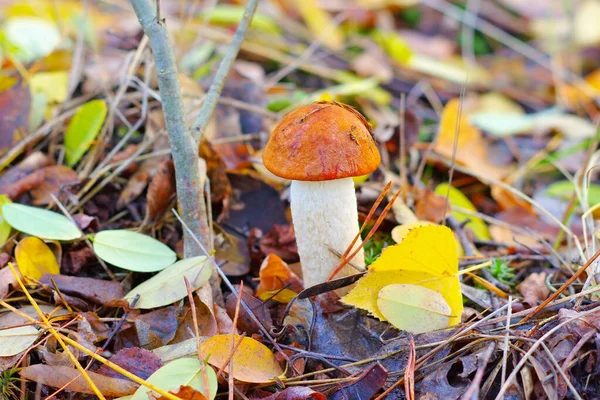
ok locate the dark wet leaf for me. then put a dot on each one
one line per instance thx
(15, 106)
(139, 362)
(291, 393)
(95, 290)
(366, 386)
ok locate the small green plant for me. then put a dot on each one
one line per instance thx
(9, 387)
(375, 246)
(502, 271)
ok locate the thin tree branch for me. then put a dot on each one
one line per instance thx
(184, 149)
(210, 101)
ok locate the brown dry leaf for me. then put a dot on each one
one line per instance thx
(55, 179)
(275, 274)
(507, 200)
(429, 206)
(365, 386)
(31, 163)
(186, 393)
(95, 290)
(245, 322)
(138, 182)
(281, 241)
(534, 289)
(220, 186)
(161, 190)
(471, 151)
(139, 362)
(15, 106)
(61, 376)
(503, 234)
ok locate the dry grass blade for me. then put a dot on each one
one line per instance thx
(54, 333)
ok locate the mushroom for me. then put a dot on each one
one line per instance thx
(320, 147)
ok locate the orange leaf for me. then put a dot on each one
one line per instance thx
(275, 274)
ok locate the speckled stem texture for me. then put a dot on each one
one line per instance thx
(325, 216)
(183, 147)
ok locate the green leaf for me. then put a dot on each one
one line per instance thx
(133, 251)
(564, 190)
(184, 371)
(457, 199)
(168, 286)
(5, 227)
(83, 129)
(15, 340)
(39, 222)
(413, 308)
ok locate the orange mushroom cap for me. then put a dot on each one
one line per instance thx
(320, 142)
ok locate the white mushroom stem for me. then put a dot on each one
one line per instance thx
(325, 216)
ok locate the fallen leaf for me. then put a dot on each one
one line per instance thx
(275, 274)
(220, 186)
(161, 190)
(184, 371)
(18, 339)
(168, 286)
(54, 85)
(260, 310)
(15, 106)
(34, 258)
(534, 289)
(96, 290)
(281, 241)
(253, 362)
(55, 179)
(186, 393)
(133, 251)
(71, 379)
(413, 308)
(458, 199)
(138, 182)
(30, 38)
(320, 23)
(38, 222)
(291, 393)
(471, 149)
(366, 386)
(140, 362)
(426, 257)
(83, 129)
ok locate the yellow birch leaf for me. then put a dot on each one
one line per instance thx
(426, 257)
(53, 84)
(401, 231)
(34, 258)
(458, 199)
(413, 308)
(253, 362)
(320, 24)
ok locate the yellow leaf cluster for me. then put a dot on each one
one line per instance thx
(426, 257)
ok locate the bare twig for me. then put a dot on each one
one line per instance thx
(183, 146)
